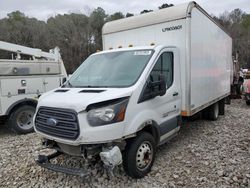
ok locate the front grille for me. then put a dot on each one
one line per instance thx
(62, 123)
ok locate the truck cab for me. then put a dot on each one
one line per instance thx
(113, 96)
(108, 82)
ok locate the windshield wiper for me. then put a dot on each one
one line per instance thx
(90, 86)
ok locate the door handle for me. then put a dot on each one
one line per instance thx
(175, 94)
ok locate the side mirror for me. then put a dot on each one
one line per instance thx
(162, 85)
(154, 89)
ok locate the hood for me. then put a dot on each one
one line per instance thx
(79, 98)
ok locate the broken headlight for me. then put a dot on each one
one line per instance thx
(113, 113)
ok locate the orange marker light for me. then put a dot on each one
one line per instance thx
(121, 114)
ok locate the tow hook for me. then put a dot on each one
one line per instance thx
(111, 158)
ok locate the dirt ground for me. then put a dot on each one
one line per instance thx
(204, 154)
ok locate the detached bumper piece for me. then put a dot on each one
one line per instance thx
(44, 161)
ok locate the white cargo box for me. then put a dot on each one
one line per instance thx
(205, 49)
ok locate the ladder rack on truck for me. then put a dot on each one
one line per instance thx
(22, 81)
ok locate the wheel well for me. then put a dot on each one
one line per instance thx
(18, 104)
(152, 129)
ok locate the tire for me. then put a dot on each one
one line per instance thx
(213, 113)
(139, 155)
(228, 100)
(222, 107)
(248, 102)
(21, 120)
(205, 113)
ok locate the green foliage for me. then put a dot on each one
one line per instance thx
(246, 21)
(97, 20)
(129, 15)
(146, 11)
(237, 23)
(71, 32)
(19, 29)
(115, 16)
(165, 5)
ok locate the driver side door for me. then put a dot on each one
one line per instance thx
(167, 106)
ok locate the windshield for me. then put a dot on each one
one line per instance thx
(113, 69)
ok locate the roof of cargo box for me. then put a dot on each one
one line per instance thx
(160, 16)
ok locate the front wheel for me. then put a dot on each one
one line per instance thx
(21, 120)
(139, 155)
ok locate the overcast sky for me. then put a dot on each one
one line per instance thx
(43, 9)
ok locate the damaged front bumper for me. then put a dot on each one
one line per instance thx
(44, 161)
(110, 155)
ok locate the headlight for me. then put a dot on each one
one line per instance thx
(102, 115)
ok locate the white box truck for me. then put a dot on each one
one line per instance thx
(131, 97)
(23, 80)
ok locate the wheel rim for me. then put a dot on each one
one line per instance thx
(144, 155)
(25, 119)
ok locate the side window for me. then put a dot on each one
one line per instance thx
(164, 66)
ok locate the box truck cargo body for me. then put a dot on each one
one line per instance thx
(205, 49)
(131, 97)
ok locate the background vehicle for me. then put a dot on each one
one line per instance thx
(246, 87)
(22, 81)
(156, 68)
(237, 78)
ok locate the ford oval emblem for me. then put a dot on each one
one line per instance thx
(51, 122)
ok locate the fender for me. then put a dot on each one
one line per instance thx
(142, 119)
(153, 128)
(29, 101)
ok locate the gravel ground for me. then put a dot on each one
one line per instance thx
(204, 154)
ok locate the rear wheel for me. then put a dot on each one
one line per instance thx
(139, 155)
(222, 107)
(21, 120)
(213, 112)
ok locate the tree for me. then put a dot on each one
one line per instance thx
(246, 21)
(97, 20)
(19, 29)
(145, 11)
(165, 5)
(129, 15)
(71, 32)
(115, 16)
(235, 22)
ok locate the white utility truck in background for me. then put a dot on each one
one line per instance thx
(124, 101)
(23, 81)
